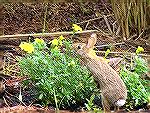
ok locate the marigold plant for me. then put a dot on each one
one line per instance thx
(58, 77)
(132, 75)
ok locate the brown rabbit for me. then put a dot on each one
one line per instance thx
(113, 62)
(114, 92)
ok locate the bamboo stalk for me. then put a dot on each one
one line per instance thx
(131, 15)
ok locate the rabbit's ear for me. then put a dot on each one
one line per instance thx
(91, 41)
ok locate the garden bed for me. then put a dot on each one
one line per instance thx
(29, 20)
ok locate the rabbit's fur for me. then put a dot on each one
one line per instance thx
(114, 92)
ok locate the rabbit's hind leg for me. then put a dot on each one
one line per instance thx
(106, 105)
(116, 108)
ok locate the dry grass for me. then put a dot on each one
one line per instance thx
(132, 15)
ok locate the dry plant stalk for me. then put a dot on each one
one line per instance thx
(132, 16)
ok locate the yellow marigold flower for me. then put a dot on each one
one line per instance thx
(139, 49)
(55, 42)
(22, 45)
(61, 38)
(37, 40)
(26, 47)
(75, 27)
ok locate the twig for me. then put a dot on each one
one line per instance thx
(6, 102)
(16, 97)
(132, 37)
(139, 36)
(86, 25)
(111, 44)
(94, 19)
(107, 23)
(123, 53)
(103, 33)
(118, 30)
(44, 34)
(114, 26)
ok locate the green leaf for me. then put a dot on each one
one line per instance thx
(41, 96)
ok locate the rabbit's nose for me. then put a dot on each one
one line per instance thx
(80, 52)
(120, 102)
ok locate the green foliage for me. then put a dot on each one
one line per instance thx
(140, 66)
(58, 77)
(138, 90)
(90, 105)
(137, 94)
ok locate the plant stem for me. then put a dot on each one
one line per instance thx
(44, 18)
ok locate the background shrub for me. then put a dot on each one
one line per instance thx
(137, 86)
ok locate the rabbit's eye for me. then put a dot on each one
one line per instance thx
(79, 47)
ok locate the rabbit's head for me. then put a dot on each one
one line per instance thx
(85, 48)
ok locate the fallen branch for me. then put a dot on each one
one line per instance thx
(107, 45)
(128, 53)
(45, 34)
